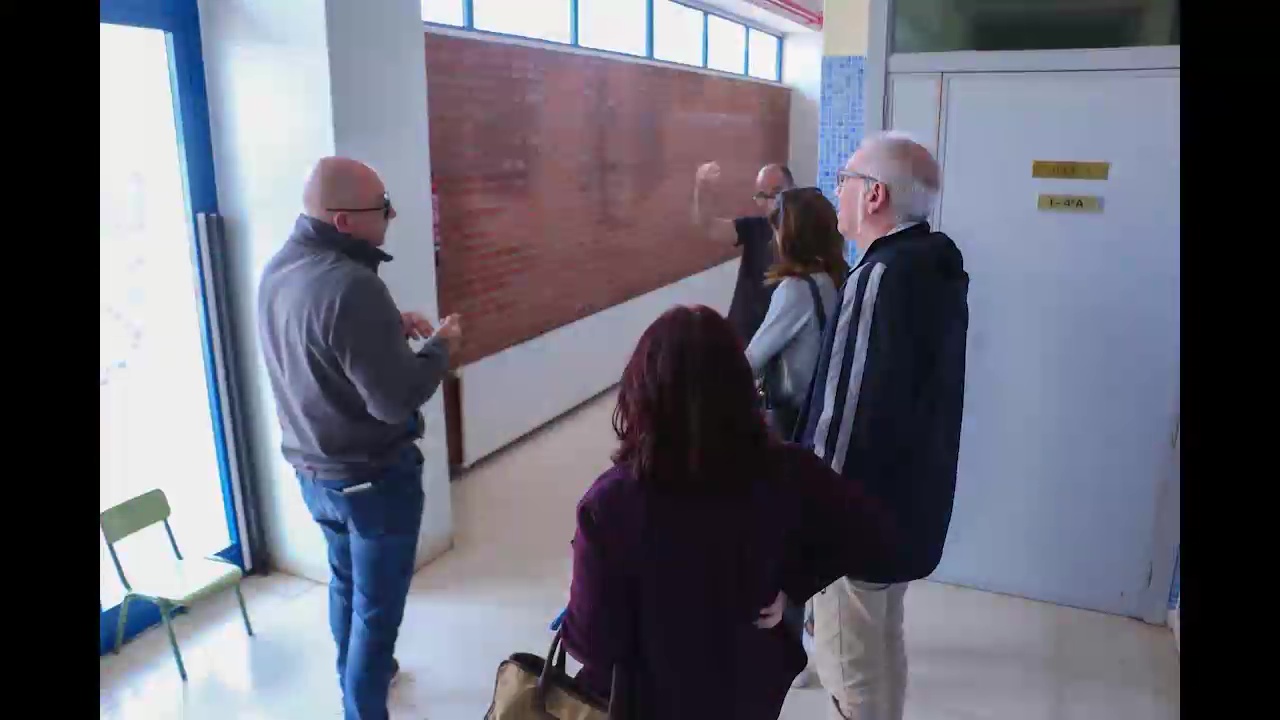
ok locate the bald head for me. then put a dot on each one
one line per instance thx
(771, 180)
(776, 176)
(338, 182)
(347, 194)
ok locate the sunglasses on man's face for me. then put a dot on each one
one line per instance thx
(385, 209)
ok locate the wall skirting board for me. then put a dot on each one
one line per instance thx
(508, 395)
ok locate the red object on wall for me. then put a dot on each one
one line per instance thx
(809, 15)
(565, 181)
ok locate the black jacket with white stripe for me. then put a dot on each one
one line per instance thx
(887, 395)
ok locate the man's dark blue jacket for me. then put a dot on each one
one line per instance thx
(888, 393)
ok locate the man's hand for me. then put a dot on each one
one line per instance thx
(416, 326)
(718, 229)
(450, 330)
(772, 615)
(708, 173)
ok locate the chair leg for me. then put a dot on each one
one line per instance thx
(173, 641)
(244, 612)
(124, 613)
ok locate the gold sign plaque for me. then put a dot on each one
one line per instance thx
(1068, 170)
(1071, 203)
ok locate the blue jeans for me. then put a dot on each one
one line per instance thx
(371, 526)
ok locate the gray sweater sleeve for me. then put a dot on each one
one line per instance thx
(370, 343)
(789, 310)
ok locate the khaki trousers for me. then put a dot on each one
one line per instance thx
(860, 650)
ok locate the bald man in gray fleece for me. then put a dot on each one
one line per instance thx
(348, 389)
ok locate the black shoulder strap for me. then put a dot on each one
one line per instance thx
(818, 309)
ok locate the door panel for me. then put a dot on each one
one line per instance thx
(914, 107)
(1074, 332)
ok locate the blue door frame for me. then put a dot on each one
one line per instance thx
(180, 20)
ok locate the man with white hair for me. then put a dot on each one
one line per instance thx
(885, 407)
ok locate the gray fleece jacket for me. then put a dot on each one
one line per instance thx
(347, 385)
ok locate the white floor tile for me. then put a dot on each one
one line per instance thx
(973, 655)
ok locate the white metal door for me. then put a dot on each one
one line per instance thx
(915, 100)
(1071, 392)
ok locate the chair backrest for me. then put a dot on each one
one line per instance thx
(132, 515)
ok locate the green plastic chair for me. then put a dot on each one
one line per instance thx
(192, 581)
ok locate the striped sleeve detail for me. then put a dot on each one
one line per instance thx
(848, 360)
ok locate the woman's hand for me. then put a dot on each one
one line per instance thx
(772, 615)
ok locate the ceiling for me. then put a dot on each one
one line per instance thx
(784, 16)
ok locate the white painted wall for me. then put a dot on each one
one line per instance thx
(510, 394)
(802, 72)
(290, 81)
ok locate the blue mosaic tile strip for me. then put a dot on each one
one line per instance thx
(841, 120)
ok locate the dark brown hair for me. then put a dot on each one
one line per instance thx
(687, 412)
(807, 236)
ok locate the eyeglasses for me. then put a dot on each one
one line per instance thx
(385, 209)
(765, 196)
(843, 175)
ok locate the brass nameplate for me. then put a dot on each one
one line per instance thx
(1067, 170)
(1071, 203)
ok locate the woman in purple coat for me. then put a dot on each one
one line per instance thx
(703, 520)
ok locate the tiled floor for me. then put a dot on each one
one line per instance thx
(973, 655)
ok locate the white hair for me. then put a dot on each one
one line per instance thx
(908, 169)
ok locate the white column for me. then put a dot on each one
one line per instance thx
(802, 72)
(290, 81)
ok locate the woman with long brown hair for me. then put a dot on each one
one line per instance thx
(703, 520)
(808, 273)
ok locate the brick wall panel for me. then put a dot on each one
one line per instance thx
(564, 180)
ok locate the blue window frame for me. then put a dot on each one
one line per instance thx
(179, 20)
(675, 39)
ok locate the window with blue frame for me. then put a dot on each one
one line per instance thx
(444, 12)
(762, 54)
(677, 33)
(658, 29)
(158, 304)
(617, 25)
(726, 45)
(539, 19)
